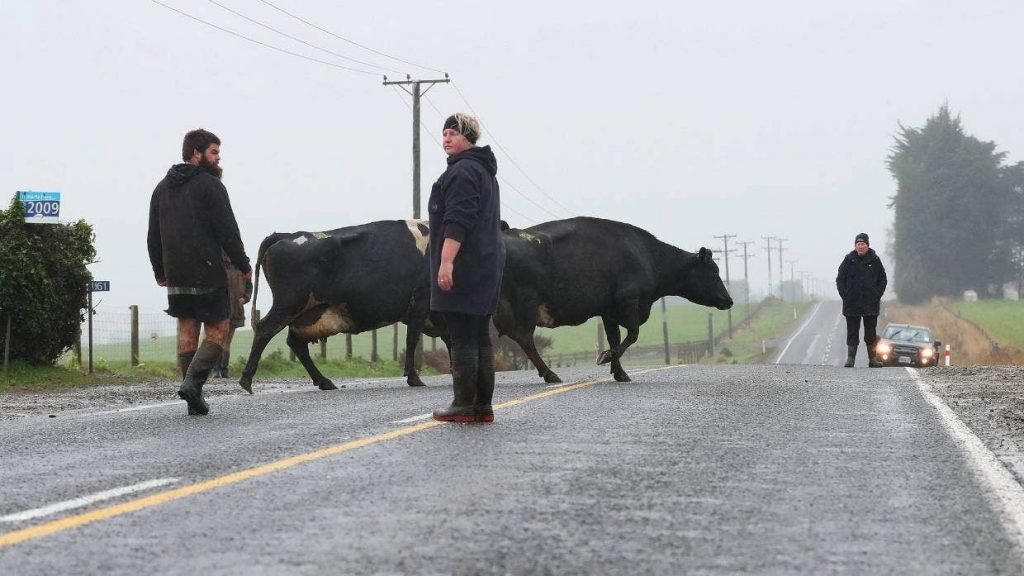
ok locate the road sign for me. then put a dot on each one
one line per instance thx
(41, 207)
(99, 286)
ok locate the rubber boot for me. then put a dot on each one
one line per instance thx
(221, 371)
(485, 387)
(851, 355)
(184, 359)
(191, 390)
(872, 361)
(462, 410)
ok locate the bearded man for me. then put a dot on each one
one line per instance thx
(191, 225)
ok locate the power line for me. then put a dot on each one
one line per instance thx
(343, 39)
(264, 44)
(507, 155)
(299, 40)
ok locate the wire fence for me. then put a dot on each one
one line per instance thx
(135, 337)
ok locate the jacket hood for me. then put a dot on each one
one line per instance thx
(481, 154)
(181, 173)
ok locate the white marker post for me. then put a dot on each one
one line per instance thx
(947, 355)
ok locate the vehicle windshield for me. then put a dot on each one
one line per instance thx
(907, 334)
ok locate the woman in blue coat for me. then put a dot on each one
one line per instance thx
(467, 257)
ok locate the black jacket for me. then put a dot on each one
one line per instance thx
(464, 205)
(190, 222)
(861, 283)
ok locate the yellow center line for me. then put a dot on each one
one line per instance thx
(48, 528)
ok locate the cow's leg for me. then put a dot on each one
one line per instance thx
(525, 340)
(413, 332)
(611, 331)
(301, 349)
(274, 322)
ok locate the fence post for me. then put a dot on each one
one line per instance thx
(76, 349)
(394, 344)
(7, 344)
(711, 334)
(664, 330)
(323, 348)
(348, 346)
(373, 346)
(135, 334)
(600, 336)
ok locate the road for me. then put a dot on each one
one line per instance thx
(709, 469)
(820, 339)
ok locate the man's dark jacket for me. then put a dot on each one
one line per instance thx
(190, 222)
(861, 283)
(464, 205)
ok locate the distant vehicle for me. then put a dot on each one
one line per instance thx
(906, 345)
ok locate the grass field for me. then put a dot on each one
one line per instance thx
(1002, 319)
(773, 323)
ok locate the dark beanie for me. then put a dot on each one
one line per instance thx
(862, 237)
(454, 122)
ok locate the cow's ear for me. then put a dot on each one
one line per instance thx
(704, 255)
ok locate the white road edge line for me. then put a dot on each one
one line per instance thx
(1002, 488)
(86, 500)
(413, 419)
(788, 344)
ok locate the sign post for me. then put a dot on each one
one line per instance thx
(41, 207)
(94, 286)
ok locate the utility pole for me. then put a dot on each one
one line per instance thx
(416, 92)
(768, 249)
(792, 283)
(725, 241)
(746, 277)
(781, 273)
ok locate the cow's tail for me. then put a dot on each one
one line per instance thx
(264, 246)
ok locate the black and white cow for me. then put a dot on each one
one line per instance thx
(348, 281)
(564, 272)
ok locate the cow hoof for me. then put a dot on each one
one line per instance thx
(415, 382)
(246, 384)
(327, 385)
(623, 377)
(552, 378)
(606, 357)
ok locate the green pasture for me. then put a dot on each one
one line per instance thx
(686, 323)
(1002, 319)
(774, 322)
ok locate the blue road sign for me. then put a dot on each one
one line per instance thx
(99, 286)
(41, 207)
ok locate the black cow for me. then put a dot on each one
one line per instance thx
(564, 272)
(348, 281)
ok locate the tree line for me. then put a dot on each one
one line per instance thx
(959, 212)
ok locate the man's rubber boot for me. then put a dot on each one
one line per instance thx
(851, 355)
(184, 359)
(462, 409)
(872, 361)
(485, 388)
(191, 390)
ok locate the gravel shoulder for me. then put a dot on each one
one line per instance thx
(990, 401)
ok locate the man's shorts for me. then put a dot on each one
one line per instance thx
(210, 307)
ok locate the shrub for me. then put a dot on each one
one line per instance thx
(43, 279)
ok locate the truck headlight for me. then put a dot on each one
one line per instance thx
(927, 353)
(883, 348)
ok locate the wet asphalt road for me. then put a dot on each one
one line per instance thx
(693, 469)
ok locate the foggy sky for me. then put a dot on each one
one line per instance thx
(688, 119)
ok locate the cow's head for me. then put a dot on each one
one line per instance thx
(700, 283)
